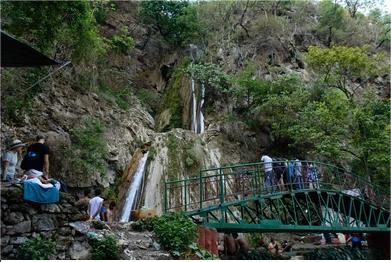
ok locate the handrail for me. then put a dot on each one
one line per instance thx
(250, 176)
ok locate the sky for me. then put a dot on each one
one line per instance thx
(388, 5)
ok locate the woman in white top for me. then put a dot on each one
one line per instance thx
(9, 160)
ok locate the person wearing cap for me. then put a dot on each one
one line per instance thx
(36, 160)
(9, 160)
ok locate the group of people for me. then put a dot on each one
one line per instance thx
(35, 163)
(234, 245)
(97, 207)
(288, 175)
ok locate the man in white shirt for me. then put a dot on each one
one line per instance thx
(95, 206)
(268, 167)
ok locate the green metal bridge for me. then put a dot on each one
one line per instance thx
(311, 197)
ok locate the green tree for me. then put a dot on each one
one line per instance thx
(176, 21)
(371, 138)
(53, 26)
(331, 22)
(339, 64)
(353, 6)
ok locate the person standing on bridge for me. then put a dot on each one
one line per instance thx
(268, 167)
(299, 176)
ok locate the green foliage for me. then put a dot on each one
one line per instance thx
(105, 248)
(55, 25)
(39, 248)
(211, 75)
(176, 21)
(175, 231)
(370, 138)
(119, 96)
(88, 150)
(339, 64)
(122, 43)
(18, 91)
(201, 253)
(336, 253)
(152, 153)
(145, 224)
(101, 9)
(332, 21)
(172, 98)
(149, 98)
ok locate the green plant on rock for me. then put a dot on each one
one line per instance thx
(201, 253)
(211, 75)
(122, 43)
(105, 248)
(39, 248)
(175, 232)
(88, 150)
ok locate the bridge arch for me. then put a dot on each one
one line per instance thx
(235, 198)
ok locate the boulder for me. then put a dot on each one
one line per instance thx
(23, 227)
(44, 222)
(79, 250)
(13, 218)
(4, 240)
(50, 208)
(18, 240)
(6, 250)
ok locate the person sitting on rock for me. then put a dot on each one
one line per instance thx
(9, 160)
(110, 212)
(229, 245)
(242, 245)
(95, 206)
(36, 161)
(273, 247)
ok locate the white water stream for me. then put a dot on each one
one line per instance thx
(134, 189)
(197, 122)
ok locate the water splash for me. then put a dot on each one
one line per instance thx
(134, 189)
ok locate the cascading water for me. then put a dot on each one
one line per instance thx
(202, 124)
(134, 189)
(194, 124)
(197, 117)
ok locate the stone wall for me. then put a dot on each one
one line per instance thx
(21, 221)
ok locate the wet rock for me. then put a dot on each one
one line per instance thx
(79, 250)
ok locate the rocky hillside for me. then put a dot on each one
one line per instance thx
(252, 58)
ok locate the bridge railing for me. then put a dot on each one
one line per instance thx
(216, 186)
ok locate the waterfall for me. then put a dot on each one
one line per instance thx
(202, 124)
(197, 117)
(194, 123)
(134, 189)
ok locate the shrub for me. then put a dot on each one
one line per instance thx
(118, 96)
(176, 21)
(122, 43)
(88, 150)
(175, 231)
(105, 248)
(38, 248)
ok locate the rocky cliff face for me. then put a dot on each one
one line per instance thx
(21, 221)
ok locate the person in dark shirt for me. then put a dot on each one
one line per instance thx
(36, 160)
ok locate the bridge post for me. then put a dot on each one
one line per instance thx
(221, 187)
(201, 189)
(380, 241)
